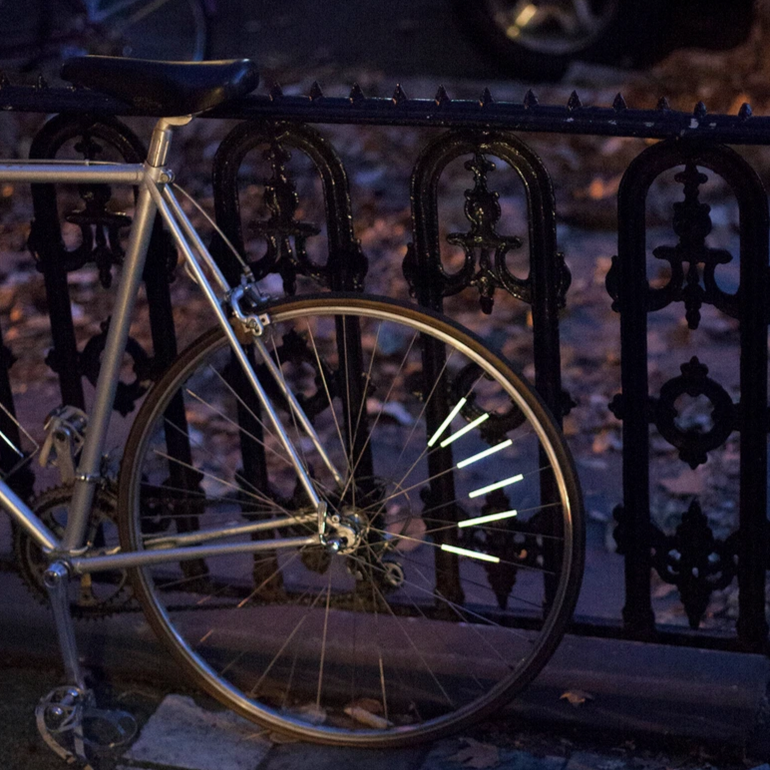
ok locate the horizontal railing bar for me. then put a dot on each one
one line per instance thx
(602, 121)
(456, 113)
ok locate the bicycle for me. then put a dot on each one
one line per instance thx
(347, 518)
(143, 29)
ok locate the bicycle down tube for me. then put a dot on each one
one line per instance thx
(154, 196)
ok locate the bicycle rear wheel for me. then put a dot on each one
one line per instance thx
(459, 518)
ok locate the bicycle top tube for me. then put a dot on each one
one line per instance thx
(164, 89)
(77, 172)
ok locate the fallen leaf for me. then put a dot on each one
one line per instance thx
(477, 755)
(576, 697)
(370, 704)
(312, 714)
(594, 463)
(364, 717)
(571, 426)
(605, 440)
(688, 482)
(662, 590)
(656, 344)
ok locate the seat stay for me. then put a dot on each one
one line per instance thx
(218, 305)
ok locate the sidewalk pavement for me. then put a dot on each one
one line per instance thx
(181, 734)
(630, 705)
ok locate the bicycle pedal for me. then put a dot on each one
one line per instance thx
(65, 428)
(77, 731)
(59, 721)
(106, 730)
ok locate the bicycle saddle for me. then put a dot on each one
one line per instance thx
(164, 89)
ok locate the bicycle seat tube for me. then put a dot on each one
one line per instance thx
(89, 467)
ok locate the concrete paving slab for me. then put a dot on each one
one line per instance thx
(303, 756)
(184, 735)
(639, 688)
(462, 753)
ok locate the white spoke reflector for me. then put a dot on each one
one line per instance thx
(470, 426)
(485, 453)
(470, 554)
(496, 485)
(487, 519)
(444, 425)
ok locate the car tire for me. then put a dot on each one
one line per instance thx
(537, 40)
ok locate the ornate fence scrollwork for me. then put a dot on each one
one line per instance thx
(484, 268)
(100, 230)
(485, 249)
(285, 253)
(692, 558)
(285, 237)
(480, 130)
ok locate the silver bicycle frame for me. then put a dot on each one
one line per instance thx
(155, 196)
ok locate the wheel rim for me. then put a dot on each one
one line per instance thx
(553, 27)
(343, 647)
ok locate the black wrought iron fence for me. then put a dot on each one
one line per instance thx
(692, 558)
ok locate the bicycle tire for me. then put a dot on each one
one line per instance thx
(379, 663)
(164, 30)
(145, 29)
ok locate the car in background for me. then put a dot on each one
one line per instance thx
(537, 39)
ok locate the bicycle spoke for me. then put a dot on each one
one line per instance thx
(219, 480)
(463, 615)
(323, 644)
(337, 427)
(198, 445)
(286, 643)
(379, 415)
(266, 427)
(281, 455)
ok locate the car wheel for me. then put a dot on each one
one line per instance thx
(537, 39)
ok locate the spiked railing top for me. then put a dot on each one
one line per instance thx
(574, 117)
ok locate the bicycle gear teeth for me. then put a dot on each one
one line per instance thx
(94, 596)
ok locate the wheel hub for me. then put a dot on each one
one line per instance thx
(346, 530)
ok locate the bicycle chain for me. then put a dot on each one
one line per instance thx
(98, 595)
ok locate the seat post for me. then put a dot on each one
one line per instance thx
(161, 139)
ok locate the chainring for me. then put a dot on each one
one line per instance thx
(92, 595)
